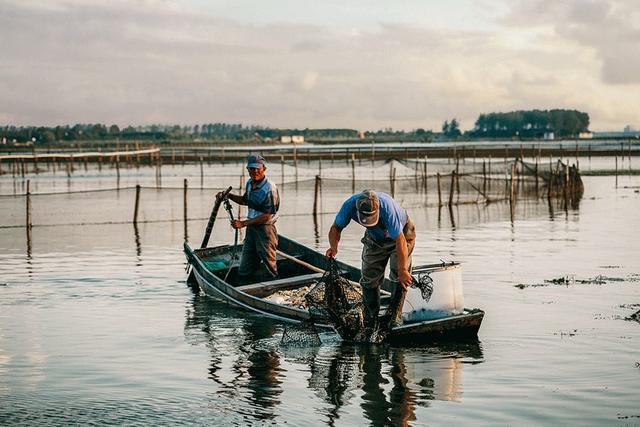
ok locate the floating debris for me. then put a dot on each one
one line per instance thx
(629, 305)
(634, 317)
(535, 285)
(567, 334)
(571, 280)
(626, 417)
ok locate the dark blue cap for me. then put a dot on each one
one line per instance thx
(256, 161)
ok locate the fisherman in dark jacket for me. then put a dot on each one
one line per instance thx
(261, 238)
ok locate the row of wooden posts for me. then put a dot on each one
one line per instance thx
(154, 157)
(567, 185)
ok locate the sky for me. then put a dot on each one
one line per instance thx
(358, 64)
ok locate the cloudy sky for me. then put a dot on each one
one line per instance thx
(361, 64)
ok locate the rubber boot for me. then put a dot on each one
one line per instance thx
(395, 307)
(371, 301)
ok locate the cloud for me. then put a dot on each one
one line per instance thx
(611, 29)
(154, 61)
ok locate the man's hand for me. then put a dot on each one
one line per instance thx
(331, 253)
(405, 278)
(237, 224)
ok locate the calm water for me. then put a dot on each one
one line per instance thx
(97, 325)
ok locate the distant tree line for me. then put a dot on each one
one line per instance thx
(207, 131)
(522, 124)
(531, 124)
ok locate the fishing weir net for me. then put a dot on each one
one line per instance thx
(417, 183)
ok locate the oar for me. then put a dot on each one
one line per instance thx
(300, 262)
(212, 218)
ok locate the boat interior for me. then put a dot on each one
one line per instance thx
(295, 270)
(298, 266)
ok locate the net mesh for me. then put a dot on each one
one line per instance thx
(300, 334)
(342, 302)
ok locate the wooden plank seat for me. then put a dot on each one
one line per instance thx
(261, 289)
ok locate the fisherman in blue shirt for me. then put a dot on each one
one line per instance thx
(261, 238)
(390, 234)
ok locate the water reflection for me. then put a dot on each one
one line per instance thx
(416, 376)
(136, 234)
(388, 383)
(254, 373)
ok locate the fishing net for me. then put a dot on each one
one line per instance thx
(342, 302)
(300, 334)
(338, 301)
(424, 283)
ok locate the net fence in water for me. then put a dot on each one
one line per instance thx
(414, 183)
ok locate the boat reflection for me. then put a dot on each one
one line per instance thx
(393, 380)
(248, 363)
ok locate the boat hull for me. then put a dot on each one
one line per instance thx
(250, 297)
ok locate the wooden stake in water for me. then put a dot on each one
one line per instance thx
(616, 173)
(316, 195)
(201, 173)
(118, 171)
(184, 211)
(426, 173)
(393, 181)
(135, 210)
(452, 188)
(536, 172)
(353, 174)
(439, 190)
(373, 152)
(28, 208)
(282, 169)
(512, 194)
(489, 172)
(484, 176)
(295, 162)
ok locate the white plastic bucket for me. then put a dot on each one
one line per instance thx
(447, 298)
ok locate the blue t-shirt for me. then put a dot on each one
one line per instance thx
(262, 199)
(393, 217)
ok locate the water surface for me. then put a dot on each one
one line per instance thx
(97, 325)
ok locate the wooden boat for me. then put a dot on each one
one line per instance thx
(300, 266)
